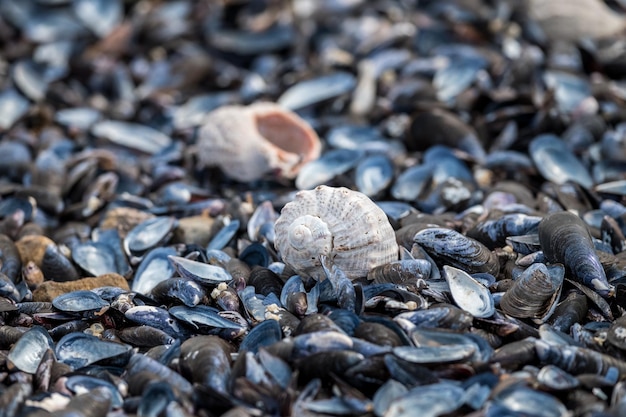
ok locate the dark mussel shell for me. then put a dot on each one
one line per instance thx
(11, 263)
(493, 233)
(148, 234)
(406, 271)
(201, 272)
(565, 239)
(27, 352)
(535, 293)
(81, 383)
(154, 268)
(79, 350)
(56, 267)
(206, 361)
(81, 302)
(450, 247)
(177, 290)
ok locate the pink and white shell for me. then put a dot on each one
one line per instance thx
(250, 142)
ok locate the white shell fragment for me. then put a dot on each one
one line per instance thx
(308, 92)
(132, 135)
(345, 225)
(12, 107)
(249, 142)
(469, 294)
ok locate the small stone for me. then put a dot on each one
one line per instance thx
(32, 248)
(195, 229)
(32, 275)
(49, 290)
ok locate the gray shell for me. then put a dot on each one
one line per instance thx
(342, 224)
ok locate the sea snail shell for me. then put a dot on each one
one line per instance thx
(342, 224)
(248, 142)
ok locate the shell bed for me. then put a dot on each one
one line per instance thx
(378, 208)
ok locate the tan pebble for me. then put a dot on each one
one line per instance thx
(32, 248)
(123, 219)
(195, 229)
(49, 290)
(32, 275)
(250, 142)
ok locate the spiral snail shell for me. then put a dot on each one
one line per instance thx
(345, 225)
(249, 142)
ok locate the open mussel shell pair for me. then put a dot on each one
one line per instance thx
(74, 349)
(533, 295)
(535, 292)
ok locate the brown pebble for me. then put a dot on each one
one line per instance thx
(123, 219)
(195, 229)
(32, 275)
(49, 290)
(32, 248)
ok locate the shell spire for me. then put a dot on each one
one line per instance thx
(344, 225)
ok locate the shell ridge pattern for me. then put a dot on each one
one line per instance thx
(360, 237)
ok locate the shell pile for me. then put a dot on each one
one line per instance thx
(379, 208)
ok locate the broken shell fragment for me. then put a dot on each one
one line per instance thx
(249, 142)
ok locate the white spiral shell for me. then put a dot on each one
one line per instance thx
(345, 225)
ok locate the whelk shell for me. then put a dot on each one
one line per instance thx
(344, 225)
(262, 138)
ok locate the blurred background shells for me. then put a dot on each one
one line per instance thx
(472, 154)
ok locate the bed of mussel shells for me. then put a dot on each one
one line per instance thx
(457, 247)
